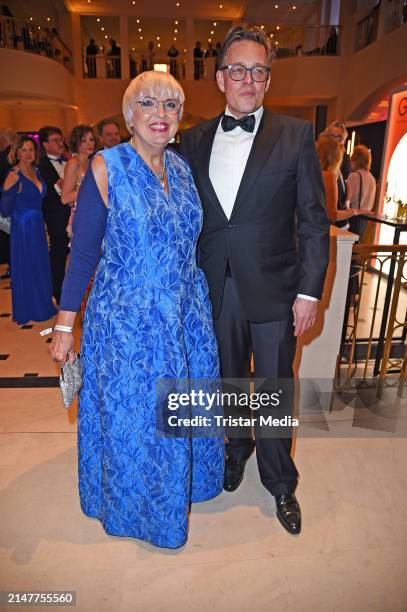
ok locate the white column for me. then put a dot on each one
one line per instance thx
(190, 44)
(124, 47)
(317, 349)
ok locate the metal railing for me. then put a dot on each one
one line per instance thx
(294, 41)
(391, 15)
(23, 36)
(102, 66)
(366, 29)
(398, 14)
(359, 351)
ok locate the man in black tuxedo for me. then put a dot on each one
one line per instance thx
(56, 214)
(263, 247)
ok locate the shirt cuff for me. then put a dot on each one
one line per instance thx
(58, 189)
(307, 297)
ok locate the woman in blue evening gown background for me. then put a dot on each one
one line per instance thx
(148, 318)
(22, 196)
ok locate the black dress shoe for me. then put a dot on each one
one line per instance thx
(234, 471)
(289, 512)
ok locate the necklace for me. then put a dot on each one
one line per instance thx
(160, 175)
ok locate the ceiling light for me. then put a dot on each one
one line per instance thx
(106, 36)
(31, 18)
(212, 32)
(177, 4)
(276, 6)
(134, 2)
(175, 31)
(159, 45)
(176, 22)
(133, 49)
(294, 7)
(175, 38)
(139, 29)
(262, 27)
(138, 20)
(48, 19)
(158, 38)
(141, 38)
(215, 24)
(278, 27)
(39, 27)
(102, 29)
(220, 5)
(209, 39)
(98, 19)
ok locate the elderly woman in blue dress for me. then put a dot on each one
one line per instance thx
(148, 318)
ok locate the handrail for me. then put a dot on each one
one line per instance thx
(358, 353)
(20, 35)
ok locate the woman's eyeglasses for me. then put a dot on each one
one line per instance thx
(151, 105)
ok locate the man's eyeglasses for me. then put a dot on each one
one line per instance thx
(151, 105)
(58, 139)
(237, 72)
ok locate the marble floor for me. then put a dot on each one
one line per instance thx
(350, 556)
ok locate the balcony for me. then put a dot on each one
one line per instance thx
(293, 41)
(22, 36)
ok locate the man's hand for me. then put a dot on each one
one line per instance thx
(305, 312)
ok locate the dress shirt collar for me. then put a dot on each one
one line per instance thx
(55, 158)
(257, 115)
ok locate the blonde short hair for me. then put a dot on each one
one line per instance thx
(361, 157)
(150, 83)
(330, 153)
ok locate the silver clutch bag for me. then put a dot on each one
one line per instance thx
(70, 380)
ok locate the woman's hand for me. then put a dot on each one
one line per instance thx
(62, 347)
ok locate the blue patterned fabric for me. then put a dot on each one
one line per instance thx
(148, 317)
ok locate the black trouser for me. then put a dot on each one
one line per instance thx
(273, 347)
(58, 252)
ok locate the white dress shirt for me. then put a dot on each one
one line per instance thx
(60, 169)
(230, 152)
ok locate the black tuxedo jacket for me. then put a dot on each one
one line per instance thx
(277, 239)
(56, 214)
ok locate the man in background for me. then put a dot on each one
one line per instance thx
(56, 214)
(109, 133)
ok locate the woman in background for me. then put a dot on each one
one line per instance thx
(22, 196)
(82, 145)
(330, 154)
(360, 187)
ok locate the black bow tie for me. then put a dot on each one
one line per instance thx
(247, 123)
(60, 160)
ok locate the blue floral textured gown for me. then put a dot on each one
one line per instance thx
(148, 317)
